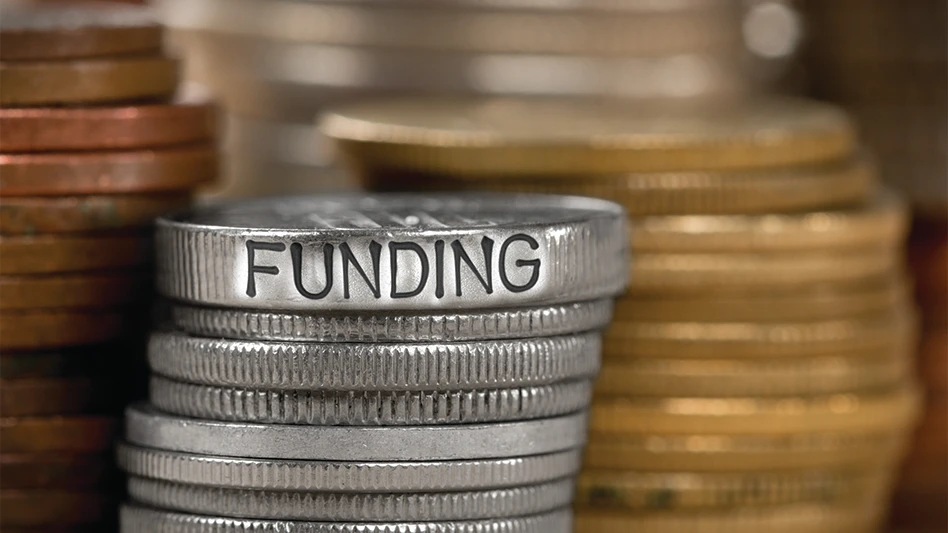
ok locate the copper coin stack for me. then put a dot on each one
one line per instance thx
(91, 151)
(757, 375)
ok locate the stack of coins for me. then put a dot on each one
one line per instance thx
(373, 364)
(82, 175)
(275, 64)
(757, 376)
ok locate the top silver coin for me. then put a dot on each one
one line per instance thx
(354, 252)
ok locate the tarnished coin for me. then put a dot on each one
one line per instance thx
(150, 428)
(406, 476)
(55, 174)
(841, 413)
(374, 367)
(79, 214)
(37, 330)
(54, 396)
(402, 326)
(353, 506)
(369, 408)
(389, 252)
(108, 289)
(501, 138)
(36, 31)
(89, 81)
(47, 254)
(136, 519)
(81, 434)
(64, 471)
(47, 507)
(105, 128)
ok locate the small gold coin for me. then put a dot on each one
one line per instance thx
(516, 137)
(840, 413)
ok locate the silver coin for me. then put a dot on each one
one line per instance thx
(413, 476)
(443, 326)
(135, 519)
(353, 506)
(369, 408)
(356, 252)
(370, 366)
(150, 428)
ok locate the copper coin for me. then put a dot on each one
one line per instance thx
(105, 128)
(30, 31)
(47, 254)
(109, 289)
(39, 508)
(36, 83)
(55, 396)
(57, 470)
(170, 169)
(80, 434)
(35, 330)
(933, 360)
(83, 361)
(75, 214)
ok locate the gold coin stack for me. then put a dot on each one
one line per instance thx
(275, 64)
(757, 376)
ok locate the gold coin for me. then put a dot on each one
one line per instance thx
(850, 336)
(515, 137)
(686, 491)
(783, 189)
(743, 453)
(878, 411)
(31, 83)
(651, 376)
(859, 517)
(791, 304)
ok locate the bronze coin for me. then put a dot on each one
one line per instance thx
(79, 434)
(36, 330)
(56, 396)
(39, 508)
(75, 214)
(83, 361)
(933, 360)
(169, 169)
(57, 470)
(37, 83)
(48, 254)
(31, 31)
(105, 128)
(108, 289)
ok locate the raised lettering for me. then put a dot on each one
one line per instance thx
(534, 263)
(296, 252)
(252, 268)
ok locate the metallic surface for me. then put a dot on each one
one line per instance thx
(43, 508)
(80, 434)
(48, 254)
(34, 330)
(78, 214)
(69, 471)
(110, 289)
(53, 396)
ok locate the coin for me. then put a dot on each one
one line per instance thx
(872, 411)
(41, 508)
(240, 178)
(69, 471)
(353, 506)
(154, 429)
(106, 128)
(79, 214)
(30, 32)
(87, 360)
(369, 408)
(933, 360)
(288, 142)
(404, 326)
(55, 174)
(81, 434)
(395, 252)
(503, 138)
(34, 83)
(368, 477)
(374, 367)
(53, 396)
(48, 254)
(111, 289)
(35, 330)
(683, 492)
(135, 519)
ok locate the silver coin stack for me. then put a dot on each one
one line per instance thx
(390, 363)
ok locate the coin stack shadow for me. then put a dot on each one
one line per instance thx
(82, 175)
(275, 64)
(757, 375)
(443, 387)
